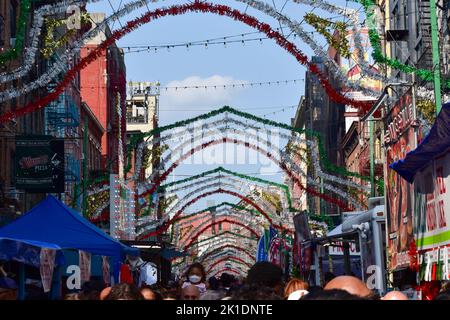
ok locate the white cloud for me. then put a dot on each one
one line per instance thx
(201, 97)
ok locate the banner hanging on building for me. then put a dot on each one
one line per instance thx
(432, 207)
(40, 164)
(399, 140)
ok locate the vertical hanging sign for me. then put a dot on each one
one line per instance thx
(46, 268)
(85, 265)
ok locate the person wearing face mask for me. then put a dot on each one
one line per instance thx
(196, 276)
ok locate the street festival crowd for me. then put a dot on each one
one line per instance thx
(264, 281)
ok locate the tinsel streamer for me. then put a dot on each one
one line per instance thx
(283, 166)
(366, 69)
(211, 251)
(50, 44)
(328, 177)
(237, 185)
(97, 190)
(166, 225)
(285, 160)
(327, 164)
(322, 25)
(178, 10)
(266, 182)
(228, 259)
(142, 227)
(320, 51)
(226, 254)
(170, 220)
(208, 209)
(239, 241)
(283, 187)
(215, 223)
(250, 223)
(29, 56)
(377, 54)
(14, 53)
(61, 64)
(269, 10)
(258, 5)
(223, 238)
(213, 125)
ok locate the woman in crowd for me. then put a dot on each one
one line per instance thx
(295, 289)
(196, 276)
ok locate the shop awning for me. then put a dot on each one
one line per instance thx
(434, 144)
(53, 225)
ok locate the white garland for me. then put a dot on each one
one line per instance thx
(288, 160)
(97, 190)
(59, 67)
(63, 61)
(298, 139)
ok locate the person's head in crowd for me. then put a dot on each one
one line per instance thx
(295, 289)
(72, 296)
(227, 280)
(443, 295)
(212, 295)
(395, 295)
(190, 292)
(328, 276)
(350, 284)
(105, 293)
(148, 293)
(213, 283)
(255, 292)
(331, 294)
(196, 274)
(266, 274)
(124, 291)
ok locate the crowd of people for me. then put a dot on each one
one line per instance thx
(264, 281)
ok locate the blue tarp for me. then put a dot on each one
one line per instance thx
(51, 224)
(434, 144)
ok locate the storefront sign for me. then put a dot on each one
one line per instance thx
(399, 140)
(338, 250)
(40, 164)
(432, 194)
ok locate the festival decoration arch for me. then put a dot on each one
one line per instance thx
(179, 10)
(220, 248)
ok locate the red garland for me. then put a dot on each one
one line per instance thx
(413, 255)
(228, 246)
(166, 225)
(283, 166)
(179, 10)
(227, 259)
(195, 237)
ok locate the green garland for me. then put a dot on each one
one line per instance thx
(327, 164)
(377, 54)
(221, 234)
(13, 53)
(285, 188)
(340, 44)
(213, 208)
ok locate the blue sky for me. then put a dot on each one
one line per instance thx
(236, 63)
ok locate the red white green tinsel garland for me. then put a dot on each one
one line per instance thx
(178, 10)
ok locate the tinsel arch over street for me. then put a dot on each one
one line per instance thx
(232, 129)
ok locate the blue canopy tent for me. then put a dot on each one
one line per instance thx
(51, 224)
(435, 143)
